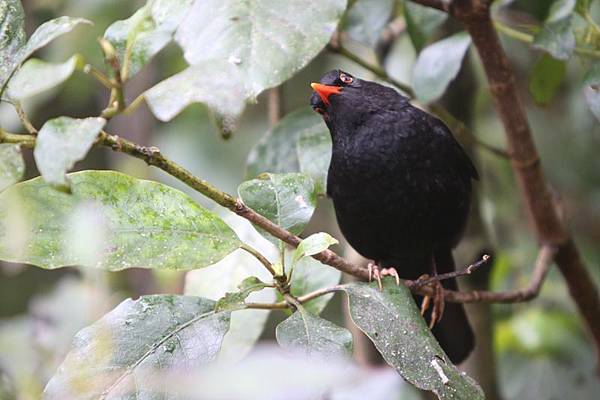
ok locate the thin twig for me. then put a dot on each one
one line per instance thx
(153, 156)
(454, 274)
(99, 75)
(263, 260)
(24, 119)
(274, 105)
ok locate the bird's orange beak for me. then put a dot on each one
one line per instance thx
(324, 91)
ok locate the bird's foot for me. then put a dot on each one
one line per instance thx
(376, 272)
(437, 299)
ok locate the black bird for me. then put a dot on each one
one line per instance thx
(401, 188)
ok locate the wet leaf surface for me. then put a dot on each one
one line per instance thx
(124, 222)
(123, 353)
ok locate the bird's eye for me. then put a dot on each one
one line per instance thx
(346, 79)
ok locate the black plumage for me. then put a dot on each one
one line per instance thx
(400, 185)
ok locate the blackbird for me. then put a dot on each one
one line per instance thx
(401, 188)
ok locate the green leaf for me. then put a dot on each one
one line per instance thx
(132, 223)
(313, 244)
(287, 200)
(12, 165)
(545, 79)
(121, 354)
(314, 155)
(233, 301)
(422, 23)
(199, 84)
(437, 65)
(260, 45)
(309, 275)
(13, 50)
(366, 20)
(225, 276)
(313, 335)
(141, 36)
(304, 129)
(12, 37)
(556, 36)
(61, 143)
(37, 76)
(394, 324)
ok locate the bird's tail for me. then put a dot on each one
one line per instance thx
(453, 332)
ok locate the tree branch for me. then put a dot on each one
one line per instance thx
(475, 15)
(437, 4)
(454, 274)
(153, 156)
(263, 260)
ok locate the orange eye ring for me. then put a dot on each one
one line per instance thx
(346, 79)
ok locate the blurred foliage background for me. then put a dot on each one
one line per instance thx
(540, 348)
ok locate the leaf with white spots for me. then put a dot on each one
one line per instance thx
(63, 141)
(250, 45)
(12, 165)
(391, 319)
(287, 200)
(14, 46)
(37, 76)
(127, 350)
(136, 223)
(312, 335)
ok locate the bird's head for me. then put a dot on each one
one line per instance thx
(344, 99)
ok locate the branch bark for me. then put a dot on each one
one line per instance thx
(153, 156)
(549, 228)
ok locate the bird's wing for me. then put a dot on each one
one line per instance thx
(464, 163)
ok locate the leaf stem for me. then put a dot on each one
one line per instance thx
(98, 75)
(263, 260)
(27, 141)
(24, 119)
(527, 38)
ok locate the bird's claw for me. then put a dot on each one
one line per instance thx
(437, 299)
(378, 273)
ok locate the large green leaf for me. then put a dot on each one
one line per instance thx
(198, 83)
(556, 36)
(12, 165)
(61, 143)
(422, 23)
(13, 49)
(225, 276)
(251, 45)
(287, 200)
(124, 222)
(437, 65)
(300, 142)
(37, 76)
(123, 353)
(391, 319)
(314, 155)
(545, 79)
(313, 335)
(138, 38)
(366, 19)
